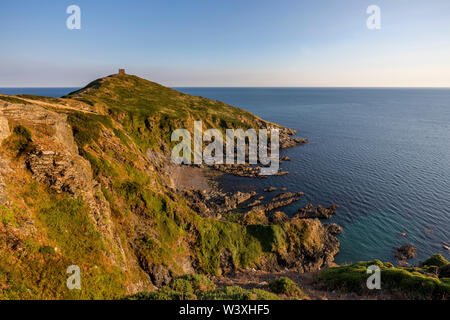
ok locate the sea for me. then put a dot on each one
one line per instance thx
(381, 154)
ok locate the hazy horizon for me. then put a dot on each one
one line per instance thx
(227, 44)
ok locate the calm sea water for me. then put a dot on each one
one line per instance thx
(383, 155)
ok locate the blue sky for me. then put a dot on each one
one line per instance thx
(227, 43)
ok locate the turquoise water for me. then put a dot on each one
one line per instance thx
(383, 155)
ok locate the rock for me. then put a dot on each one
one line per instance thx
(226, 263)
(446, 247)
(333, 228)
(271, 189)
(405, 252)
(276, 204)
(278, 217)
(319, 212)
(286, 195)
(286, 158)
(4, 129)
(159, 275)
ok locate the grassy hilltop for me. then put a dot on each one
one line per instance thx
(81, 189)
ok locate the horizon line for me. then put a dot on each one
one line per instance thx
(256, 87)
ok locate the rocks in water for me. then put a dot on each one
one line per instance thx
(286, 195)
(267, 207)
(405, 252)
(286, 158)
(446, 247)
(271, 189)
(333, 228)
(319, 212)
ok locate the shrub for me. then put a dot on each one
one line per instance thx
(20, 141)
(436, 260)
(23, 132)
(285, 286)
(238, 293)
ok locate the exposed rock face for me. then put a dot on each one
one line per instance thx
(4, 129)
(55, 162)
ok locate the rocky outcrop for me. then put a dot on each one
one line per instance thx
(315, 252)
(276, 204)
(319, 212)
(215, 203)
(54, 161)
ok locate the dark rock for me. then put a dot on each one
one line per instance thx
(286, 195)
(159, 275)
(226, 264)
(405, 252)
(319, 212)
(333, 228)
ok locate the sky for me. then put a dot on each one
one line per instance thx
(298, 43)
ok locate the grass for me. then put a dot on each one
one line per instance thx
(199, 287)
(150, 112)
(407, 282)
(67, 237)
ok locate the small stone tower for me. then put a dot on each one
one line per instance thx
(121, 71)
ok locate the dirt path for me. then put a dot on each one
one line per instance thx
(53, 105)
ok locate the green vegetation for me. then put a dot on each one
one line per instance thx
(407, 282)
(436, 260)
(287, 287)
(87, 127)
(199, 287)
(71, 238)
(238, 293)
(150, 112)
(20, 141)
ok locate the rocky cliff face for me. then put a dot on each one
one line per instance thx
(79, 184)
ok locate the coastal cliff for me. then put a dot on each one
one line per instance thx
(87, 180)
